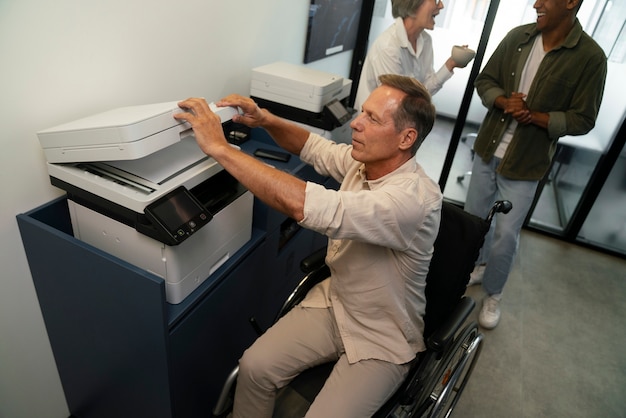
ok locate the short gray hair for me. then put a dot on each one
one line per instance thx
(404, 8)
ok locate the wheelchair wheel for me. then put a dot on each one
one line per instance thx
(452, 374)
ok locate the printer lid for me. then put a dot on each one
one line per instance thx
(125, 133)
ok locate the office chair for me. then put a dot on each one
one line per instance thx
(439, 374)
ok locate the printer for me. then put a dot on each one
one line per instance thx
(310, 97)
(140, 188)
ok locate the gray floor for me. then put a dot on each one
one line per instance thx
(559, 350)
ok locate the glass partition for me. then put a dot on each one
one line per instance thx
(458, 23)
(509, 15)
(605, 226)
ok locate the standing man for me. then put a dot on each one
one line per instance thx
(545, 80)
(381, 225)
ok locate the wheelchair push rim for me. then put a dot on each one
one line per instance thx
(452, 375)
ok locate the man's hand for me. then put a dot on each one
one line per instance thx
(516, 106)
(251, 115)
(278, 189)
(288, 135)
(206, 125)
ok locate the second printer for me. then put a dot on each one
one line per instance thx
(314, 98)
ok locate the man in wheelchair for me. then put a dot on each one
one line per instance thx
(381, 225)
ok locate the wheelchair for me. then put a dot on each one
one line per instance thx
(439, 374)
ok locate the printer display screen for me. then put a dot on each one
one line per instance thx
(178, 214)
(176, 211)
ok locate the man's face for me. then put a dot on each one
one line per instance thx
(551, 13)
(374, 135)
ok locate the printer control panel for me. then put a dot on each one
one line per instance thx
(177, 215)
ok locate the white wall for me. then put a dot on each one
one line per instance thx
(68, 59)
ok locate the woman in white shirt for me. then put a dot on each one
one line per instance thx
(405, 49)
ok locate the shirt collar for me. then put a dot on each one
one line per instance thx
(571, 40)
(409, 166)
(404, 38)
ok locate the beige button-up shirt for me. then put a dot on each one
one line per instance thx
(381, 236)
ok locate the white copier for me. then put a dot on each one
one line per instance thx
(315, 99)
(140, 188)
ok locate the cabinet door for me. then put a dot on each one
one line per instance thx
(105, 320)
(287, 246)
(207, 344)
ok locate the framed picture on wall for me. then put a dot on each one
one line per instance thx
(333, 27)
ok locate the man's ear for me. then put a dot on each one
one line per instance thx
(409, 136)
(572, 4)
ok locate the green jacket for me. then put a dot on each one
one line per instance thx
(568, 85)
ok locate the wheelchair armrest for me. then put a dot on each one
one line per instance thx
(224, 402)
(313, 260)
(444, 334)
(319, 272)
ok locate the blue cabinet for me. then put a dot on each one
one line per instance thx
(106, 320)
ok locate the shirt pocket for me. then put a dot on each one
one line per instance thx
(374, 302)
(553, 92)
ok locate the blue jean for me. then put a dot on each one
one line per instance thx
(498, 252)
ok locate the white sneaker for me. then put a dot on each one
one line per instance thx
(476, 276)
(489, 315)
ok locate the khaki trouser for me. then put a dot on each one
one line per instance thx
(303, 338)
